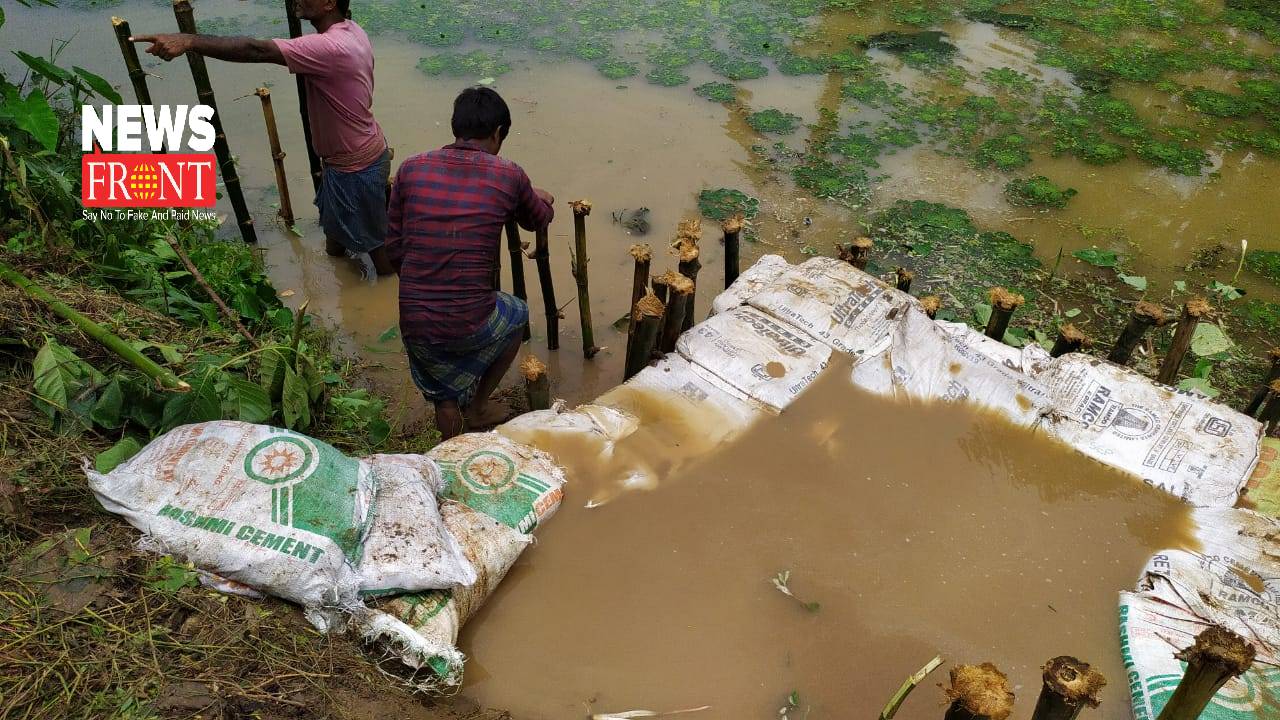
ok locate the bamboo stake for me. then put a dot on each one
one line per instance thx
(537, 383)
(931, 305)
(686, 246)
(732, 227)
(681, 293)
(277, 155)
(542, 256)
(1217, 656)
(204, 91)
(1271, 411)
(516, 250)
(660, 288)
(227, 312)
(579, 260)
(979, 692)
(1003, 304)
(857, 253)
(905, 277)
(642, 254)
(109, 340)
(1070, 340)
(647, 314)
(1069, 687)
(136, 74)
(1261, 393)
(1192, 312)
(895, 702)
(1145, 316)
(313, 160)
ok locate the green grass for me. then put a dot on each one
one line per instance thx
(1037, 191)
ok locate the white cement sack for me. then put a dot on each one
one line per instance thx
(265, 507)
(749, 282)
(833, 301)
(762, 357)
(1021, 359)
(408, 548)
(1196, 449)
(688, 393)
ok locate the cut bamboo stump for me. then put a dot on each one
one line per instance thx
(537, 383)
(581, 209)
(542, 257)
(681, 294)
(931, 304)
(660, 288)
(1069, 687)
(277, 155)
(857, 253)
(204, 91)
(515, 249)
(1003, 305)
(313, 160)
(905, 277)
(1217, 656)
(732, 227)
(978, 692)
(1070, 340)
(643, 256)
(1271, 410)
(647, 316)
(1193, 311)
(1145, 316)
(686, 247)
(130, 52)
(1259, 395)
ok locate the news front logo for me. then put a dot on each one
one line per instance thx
(125, 164)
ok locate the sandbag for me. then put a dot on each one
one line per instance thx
(274, 510)
(749, 282)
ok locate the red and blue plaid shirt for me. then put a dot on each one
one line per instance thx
(444, 232)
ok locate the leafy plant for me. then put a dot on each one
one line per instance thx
(781, 582)
(1037, 191)
(1097, 257)
(722, 203)
(773, 121)
(720, 92)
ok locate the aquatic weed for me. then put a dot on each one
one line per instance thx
(1005, 152)
(476, 63)
(1037, 191)
(718, 91)
(773, 121)
(723, 203)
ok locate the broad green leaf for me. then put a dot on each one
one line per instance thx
(247, 402)
(1, 17)
(1041, 338)
(34, 115)
(389, 334)
(1138, 282)
(379, 431)
(294, 401)
(1203, 367)
(1210, 340)
(1097, 258)
(1071, 313)
(271, 370)
(99, 85)
(622, 324)
(63, 385)
(169, 576)
(1228, 292)
(112, 457)
(981, 314)
(106, 413)
(200, 404)
(1199, 385)
(310, 377)
(44, 68)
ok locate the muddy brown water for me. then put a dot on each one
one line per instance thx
(920, 529)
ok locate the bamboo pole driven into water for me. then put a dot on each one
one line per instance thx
(931, 304)
(642, 254)
(1216, 656)
(978, 692)
(579, 260)
(660, 288)
(277, 155)
(1070, 340)
(204, 91)
(1003, 305)
(687, 251)
(542, 257)
(313, 160)
(857, 253)
(732, 227)
(1193, 311)
(137, 76)
(1145, 316)
(515, 248)
(647, 315)
(1069, 687)
(537, 383)
(905, 277)
(681, 294)
(1259, 395)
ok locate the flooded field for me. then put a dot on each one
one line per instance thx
(917, 529)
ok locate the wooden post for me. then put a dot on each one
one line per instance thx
(681, 294)
(978, 692)
(313, 160)
(1003, 303)
(277, 155)
(931, 305)
(130, 53)
(1192, 312)
(660, 288)
(643, 256)
(581, 209)
(1271, 411)
(1145, 316)
(204, 91)
(537, 383)
(857, 253)
(1069, 687)
(905, 277)
(1217, 656)
(686, 247)
(1261, 393)
(732, 227)
(516, 250)
(542, 256)
(1070, 340)
(647, 315)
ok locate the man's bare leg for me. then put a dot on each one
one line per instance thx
(333, 248)
(381, 263)
(483, 411)
(448, 418)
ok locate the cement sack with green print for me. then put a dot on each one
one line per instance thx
(495, 492)
(1234, 582)
(271, 509)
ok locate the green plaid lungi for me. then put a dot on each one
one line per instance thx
(452, 371)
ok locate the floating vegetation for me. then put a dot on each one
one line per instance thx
(477, 63)
(1218, 104)
(616, 69)
(1264, 262)
(1016, 21)
(666, 76)
(736, 68)
(1005, 152)
(840, 181)
(718, 91)
(1174, 156)
(1037, 191)
(920, 49)
(773, 121)
(723, 203)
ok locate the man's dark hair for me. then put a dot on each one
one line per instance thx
(477, 112)
(344, 7)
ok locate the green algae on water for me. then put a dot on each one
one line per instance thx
(722, 203)
(720, 92)
(773, 121)
(1037, 191)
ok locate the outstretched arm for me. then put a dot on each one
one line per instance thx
(232, 49)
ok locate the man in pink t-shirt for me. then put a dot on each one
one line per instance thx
(336, 64)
